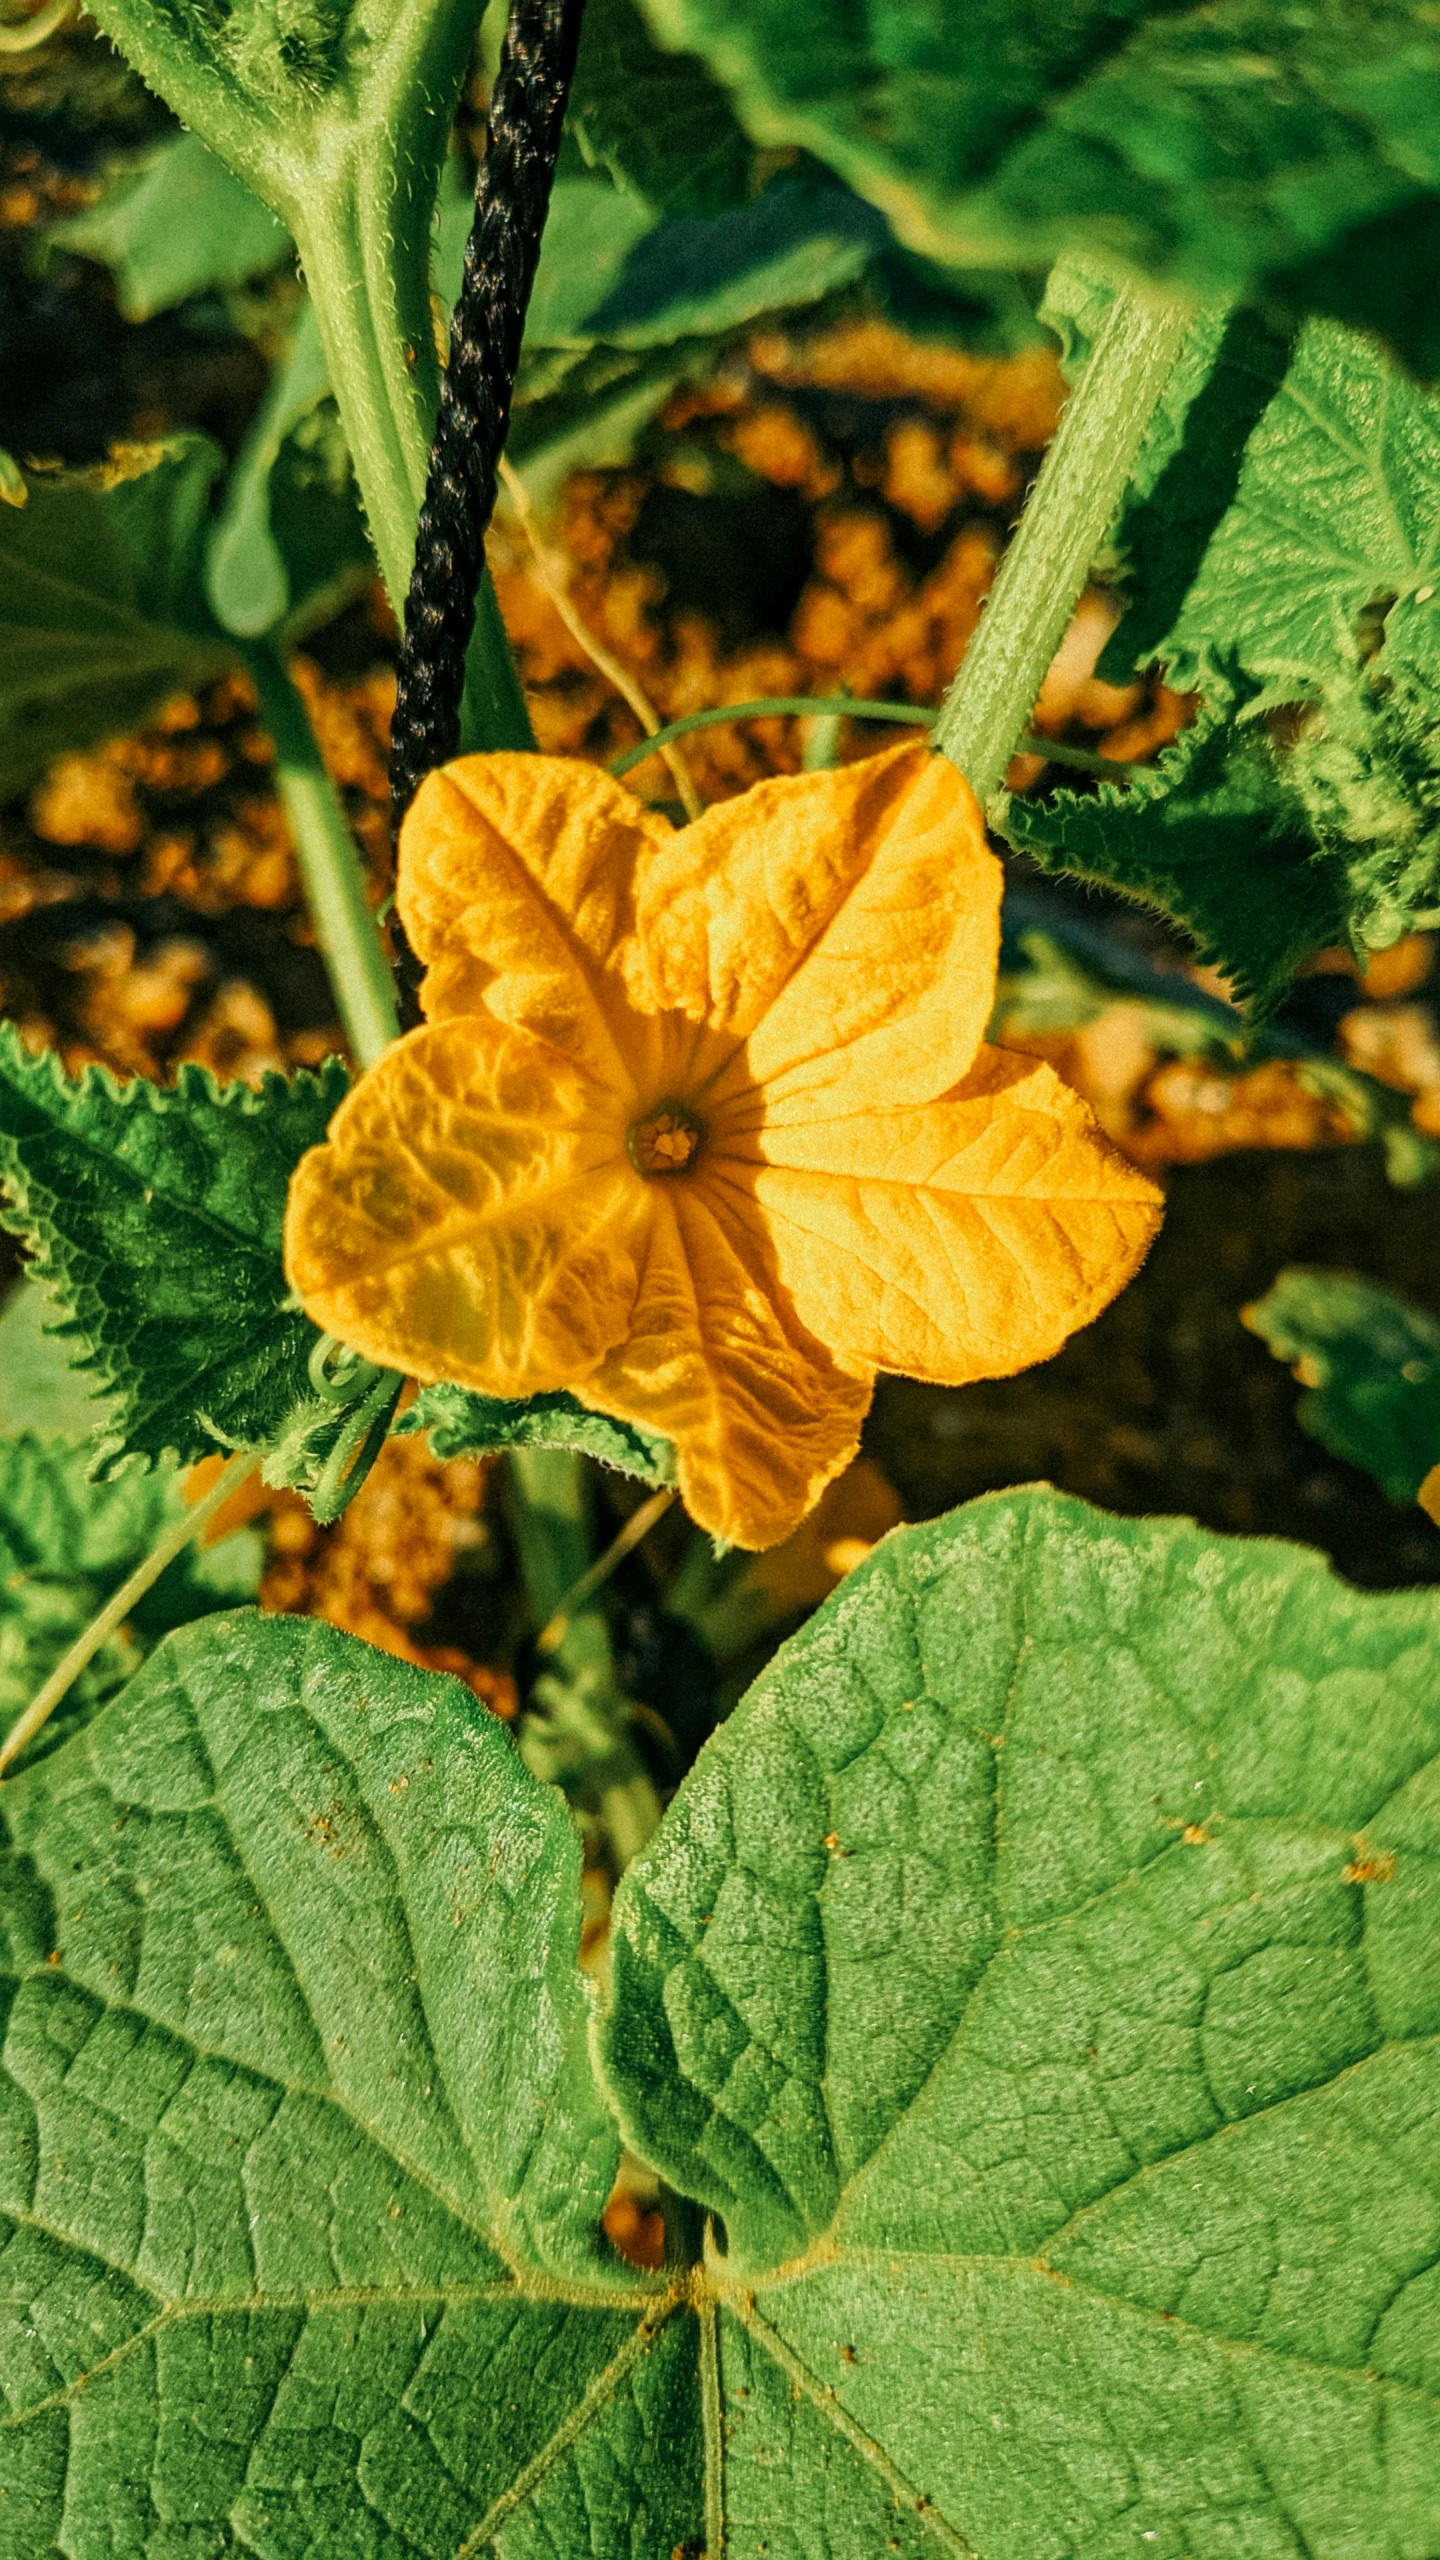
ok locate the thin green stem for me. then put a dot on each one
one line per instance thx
(582, 1738)
(1080, 484)
(914, 715)
(117, 1609)
(345, 929)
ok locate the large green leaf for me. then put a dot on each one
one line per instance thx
(1370, 1366)
(179, 224)
(102, 612)
(657, 121)
(155, 1214)
(301, 2159)
(1038, 1977)
(1235, 148)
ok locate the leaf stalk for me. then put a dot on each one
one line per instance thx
(1080, 484)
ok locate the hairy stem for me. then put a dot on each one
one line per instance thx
(117, 1609)
(379, 346)
(345, 929)
(1081, 482)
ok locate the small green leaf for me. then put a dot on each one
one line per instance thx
(181, 224)
(41, 1388)
(1238, 150)
(102, 612)
(66, 1543)
(155, 1215)
(1370, 1365)
(1216, 837)
(656, 120)
(303, 2158)
(463, 1424)
(1038, 1975)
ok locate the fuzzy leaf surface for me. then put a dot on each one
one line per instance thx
(1370, 1366)
(1233, 148)
(179, 225)
(155, 1216)
(1216, 837)
(302, 2155)
(464, 1424)
(1037, 1974)
(102, 612)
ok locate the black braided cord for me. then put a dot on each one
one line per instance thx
(512, 194)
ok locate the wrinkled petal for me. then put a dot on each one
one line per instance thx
(761, 1416)
(472, 1216)
(965, 1240)
(516, 886)
(845, 924)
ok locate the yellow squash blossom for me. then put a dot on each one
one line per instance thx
(702, 1125)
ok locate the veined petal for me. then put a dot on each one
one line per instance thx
(716, 1358)
(516, 885)
(845, 924)
(965, 1240)
(472, 1215)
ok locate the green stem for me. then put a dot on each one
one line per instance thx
(826, 706)
(376, 330)
(117, 1609)
(1080, 485)
(582, 1739)
(345, 929)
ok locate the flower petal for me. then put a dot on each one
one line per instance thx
(761, 1416)
(472, 1216)
(845, 924)
(961, 1241)
(516, 886)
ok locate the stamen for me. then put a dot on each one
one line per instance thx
(667, 1140)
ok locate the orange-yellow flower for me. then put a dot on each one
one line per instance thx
(702, 1125)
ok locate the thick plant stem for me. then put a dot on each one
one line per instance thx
(191, 1524)
(347, 932)
(1081, 482)
(385, 376)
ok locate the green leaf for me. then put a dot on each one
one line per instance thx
(180, 224)
(41, 1388)
(289, 547)
(155, 1214)
(1216, 837)
(1038, 1975)
(1280, 550)
(657, 121)
(1235, 149)
(590, 230)
(463, 1424)
(67, 1543)
(102, 613)
(1370, 1365)
(692, 279)
(303, 2158)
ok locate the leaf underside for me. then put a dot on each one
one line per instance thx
(1236, 149)
(464, 1424)
(1036, 1975)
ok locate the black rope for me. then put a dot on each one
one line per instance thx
(512, 193)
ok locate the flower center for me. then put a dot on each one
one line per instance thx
(666, 1140)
